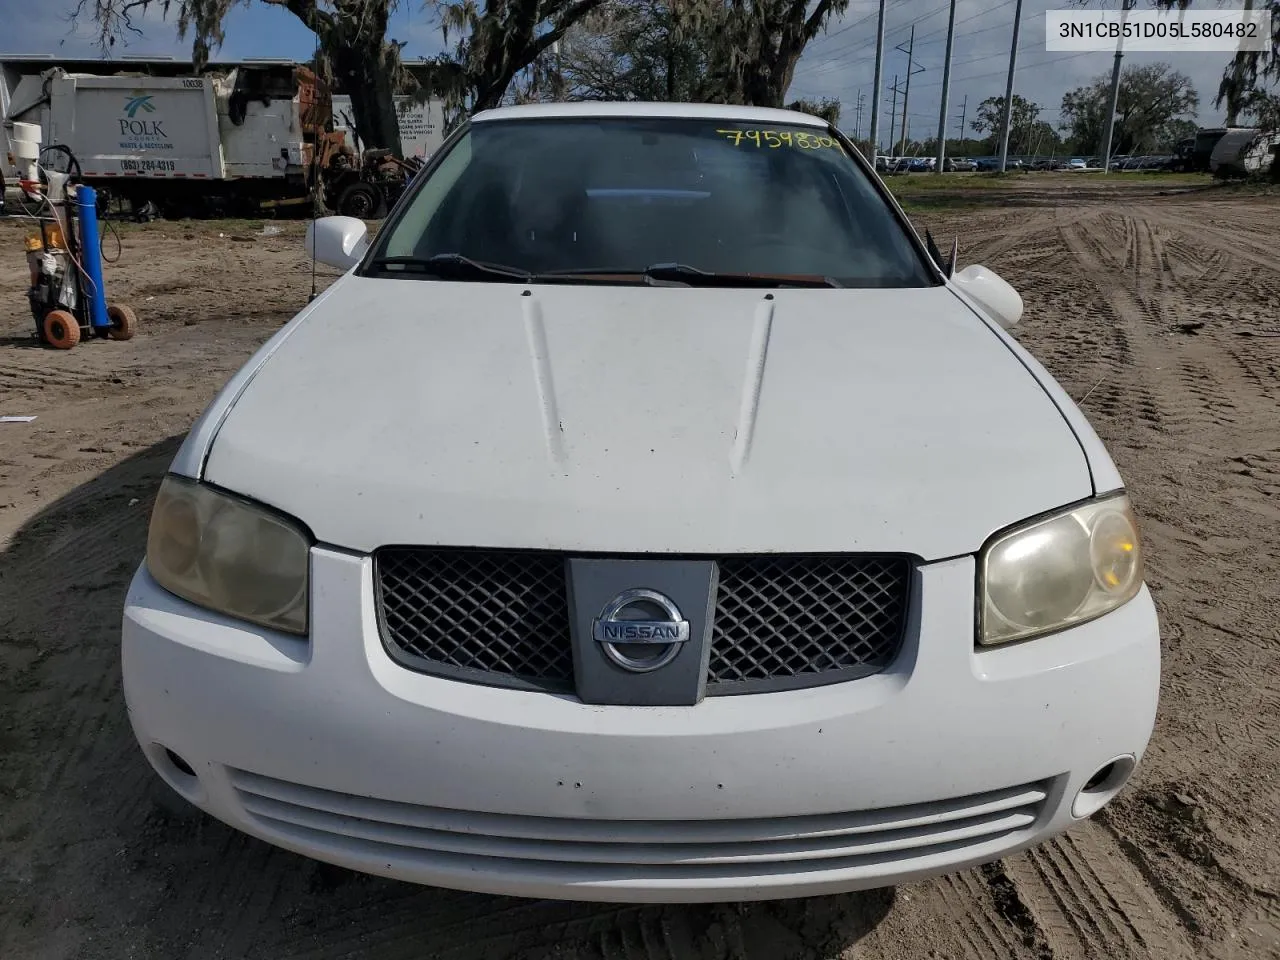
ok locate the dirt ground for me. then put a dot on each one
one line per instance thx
(1162, 314)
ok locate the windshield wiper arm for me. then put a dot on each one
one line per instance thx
(694, 277)
(705, 278)
(453, 265)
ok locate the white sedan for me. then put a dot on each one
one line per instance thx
(647, 514)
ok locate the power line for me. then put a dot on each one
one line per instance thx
(974, 16)
(862, 44)
(858, 22)
(827, 64)
(1034, 44)
(1025, 66)
(1000, 73)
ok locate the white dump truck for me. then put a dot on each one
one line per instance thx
(421, 124)
(228, 139)
(226, 142)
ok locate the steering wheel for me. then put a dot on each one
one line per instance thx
(67, 162)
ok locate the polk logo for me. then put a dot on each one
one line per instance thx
(134, 104)
(130, 126)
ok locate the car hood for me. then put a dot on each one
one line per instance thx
(647, 419)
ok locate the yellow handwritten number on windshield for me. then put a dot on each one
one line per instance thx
(773, 139)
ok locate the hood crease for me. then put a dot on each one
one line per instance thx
(752, 384)
(535, 329)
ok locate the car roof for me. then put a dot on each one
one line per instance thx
(714, 111)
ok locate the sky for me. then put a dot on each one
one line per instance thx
(839, 63)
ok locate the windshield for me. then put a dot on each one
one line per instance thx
(620, 196)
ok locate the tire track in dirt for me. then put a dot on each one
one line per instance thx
(1207, 401)
(1129, 394)
(1081, 897)
(1092, 902)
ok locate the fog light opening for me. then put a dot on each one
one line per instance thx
(175, 770)
(178, 762)
(1097, 779)
(1102, 785)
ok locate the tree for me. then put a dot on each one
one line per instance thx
(1242, 85)
(723, 51)
(494, 44)
(1151, 97)
(1174, 132)
(757, 44)
(1041, 138)
(351, 38)
(828, 109)
(637, 50)
(990, 117)
(1248, 72)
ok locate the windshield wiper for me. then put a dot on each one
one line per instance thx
(693, 277)
(453, 266)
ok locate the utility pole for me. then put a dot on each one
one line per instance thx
(946, 90)
(857, 123)
(893, 114)
(1008, 89)
(1114, 98)
(964, 110)
(558, 81)
(876, 94)
(906, 94)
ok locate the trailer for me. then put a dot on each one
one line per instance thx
(1243, 152)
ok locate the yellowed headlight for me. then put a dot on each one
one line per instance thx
(1059, 571)
(229, 555)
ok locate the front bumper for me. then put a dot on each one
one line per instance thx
(328, 748)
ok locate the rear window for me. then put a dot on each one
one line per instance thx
(623, 194)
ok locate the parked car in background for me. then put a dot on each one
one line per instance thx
(1077, 163)
(962, 164)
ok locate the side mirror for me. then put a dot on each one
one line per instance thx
(337, 241)
(991, 291)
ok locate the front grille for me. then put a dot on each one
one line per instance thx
(780, 621)
(799, 617)
(478, 613)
